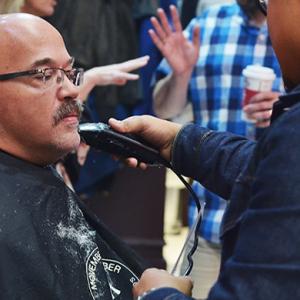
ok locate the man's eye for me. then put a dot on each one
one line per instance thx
(44, 76)
(39, 76)
(48, 74)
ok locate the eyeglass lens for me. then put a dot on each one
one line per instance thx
(74, 75)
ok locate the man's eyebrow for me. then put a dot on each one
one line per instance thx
(50, 62)
(42, 62)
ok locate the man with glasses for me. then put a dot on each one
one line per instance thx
(51, 246)
(260, 232)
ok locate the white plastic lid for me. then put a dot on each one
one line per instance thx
(259, 72)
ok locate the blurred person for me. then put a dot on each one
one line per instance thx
(205, 4)
(142, 11)
(206, 70)
(52, 246)
(189, 9)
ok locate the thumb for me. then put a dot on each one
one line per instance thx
(134, 124)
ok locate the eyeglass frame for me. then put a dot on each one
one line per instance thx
(79, 71)
(263, 6)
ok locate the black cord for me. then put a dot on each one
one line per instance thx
(198, 221)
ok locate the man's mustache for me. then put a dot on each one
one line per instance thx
(67, 108)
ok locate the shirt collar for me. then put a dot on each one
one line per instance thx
(245, 21)
(285, 102)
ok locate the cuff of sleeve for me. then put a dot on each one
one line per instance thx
(161, 293)
(187, 143)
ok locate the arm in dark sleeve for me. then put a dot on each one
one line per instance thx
(266, 259)
(213, 158)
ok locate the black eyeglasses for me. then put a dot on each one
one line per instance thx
(263, 5)
(49, 75)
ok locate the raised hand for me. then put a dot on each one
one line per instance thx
(180, 53)
(117, 74)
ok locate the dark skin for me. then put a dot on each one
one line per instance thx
(285, 34)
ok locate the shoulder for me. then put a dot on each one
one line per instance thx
(284, 133)
(217, 16)
(222, 11)
(289, 120)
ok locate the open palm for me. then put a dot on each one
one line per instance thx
(180, 53)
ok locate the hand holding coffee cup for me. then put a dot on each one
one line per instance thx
(260, 108)
(258, 98)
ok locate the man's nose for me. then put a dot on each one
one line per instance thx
(68, 90)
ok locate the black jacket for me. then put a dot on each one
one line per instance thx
(51, 246)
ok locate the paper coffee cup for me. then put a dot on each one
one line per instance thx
(257, 79)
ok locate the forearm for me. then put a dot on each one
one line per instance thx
(213, 158)
(170, 95)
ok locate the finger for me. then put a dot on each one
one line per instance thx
(175, 18)
(119, 81)
(257, 107)
(196, 37)
(164, 21)
(137, 290)
(156, 40)
(131, 162)
(131, 124)
(125, 76)
(133, 64)
(260, 116)
(134, 163)
(82, 152)
(142, 166)
(81, 159)
(162, 35)
(265, 96)
(190, 285)
(263, 123)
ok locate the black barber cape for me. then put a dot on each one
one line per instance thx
(51, 247)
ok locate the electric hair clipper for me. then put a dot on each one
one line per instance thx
(102, 137)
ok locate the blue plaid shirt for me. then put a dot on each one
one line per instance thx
(228, 44)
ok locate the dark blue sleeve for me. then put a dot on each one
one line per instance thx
(165, 294)
(215, 159)
(265, 263)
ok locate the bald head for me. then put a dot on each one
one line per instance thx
(21, 36)
(22, 21)
(30, 102)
